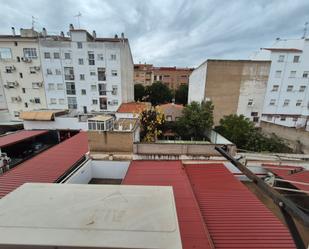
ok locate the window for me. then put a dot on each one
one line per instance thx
(114, 72)
(302, 88)
(272, 102)
(56, 55)
(91, 58)
(92, 125)
(281, 58)
(15, 43)
(21, 75)
(102, 89)
(169, 118)
(9, 69)
(290, 88)
(113, 57)
(18, 59)
(30, 53)
(26, 104)
(82, 77)
(295, 119)
(255, 119)
(115, 102)
(61, 101)
(278, 74)
(296, 59)
(68, 73)
(286, 102)
(36, 85)
(94, 101)
(53, 101)
(282, 118)
(250, 102)
(70, 88)
(79, 45)
(59, 86)
(101, 74)
(72, 104)
(115, 89)
(292, 74)
(275, 88)
(155, 78)
(81, 61)
(24, 90)
(37, 100)
(93, 88)
(298, 102)
(92, 73)
(305, 74)
(47, 55)
(100, 57)
(51, 86)
(49, 71)
(254, 114)
(83, 91)
(67, 56)
(58, 72)
(5, 53)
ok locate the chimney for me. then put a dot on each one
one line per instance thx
(122, 35)
(44, 32)
(116, 36)
(13, 31)
(71, 27)
(62, 34)
(94, 34)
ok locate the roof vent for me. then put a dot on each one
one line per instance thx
(122, 35)
(94, 34)
(62, 34)
(116, 36)
(13, 31)
(71, 27)
(44, 32)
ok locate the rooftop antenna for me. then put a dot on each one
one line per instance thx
(305, 30)
(78, 16)
(33, 21)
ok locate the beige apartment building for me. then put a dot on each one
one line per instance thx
(233, 86)
(173, 77)
(20, 72)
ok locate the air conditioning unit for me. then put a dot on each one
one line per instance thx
(15, 83)
(110, 102)
(19, 99)
(6, 86)
(25, 59)
(12, 68)
(32, 100)
(37, 68)
(40, 84)
(16, 99)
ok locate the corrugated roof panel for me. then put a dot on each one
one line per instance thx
(19, 136)
(234, 217)
(291, 173)
(46, 167)
(194, 233)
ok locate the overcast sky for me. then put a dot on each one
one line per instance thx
(170, 32)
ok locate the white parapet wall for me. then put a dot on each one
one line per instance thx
(100, 169)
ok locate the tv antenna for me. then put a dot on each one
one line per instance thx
(33, 21)
(78, 16)
(305, 30)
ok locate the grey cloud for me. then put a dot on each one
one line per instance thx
(170, 32)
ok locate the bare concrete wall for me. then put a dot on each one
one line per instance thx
(110, 141)
(297, 139)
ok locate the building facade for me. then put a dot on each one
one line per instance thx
(80, 72)
(20, 72)
(287, 95)
(233, 86)
(173, 77)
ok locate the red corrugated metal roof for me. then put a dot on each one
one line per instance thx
(47, 166)
(291, 173)
(234, 216)
(193, 231)
(19, 136)
(133, 107)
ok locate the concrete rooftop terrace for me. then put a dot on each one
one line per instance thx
(214, 209)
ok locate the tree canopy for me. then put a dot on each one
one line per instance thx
(159, 93)
(241, 131)
(139, 92)
(196, 120)
(181, 95)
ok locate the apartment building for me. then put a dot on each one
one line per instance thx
(173, 77)
(78, 72)
(233, 86)
(21, 77)
(287, 95)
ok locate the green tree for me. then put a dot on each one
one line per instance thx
(241, 131)
(196, 120)
(181, 95)
(159, 93)
(151, 121)
(139, 92)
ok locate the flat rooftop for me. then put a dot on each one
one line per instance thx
(92, 216)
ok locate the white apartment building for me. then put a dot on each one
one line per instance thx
(287, 96)
(21, 79)
(79, 72)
